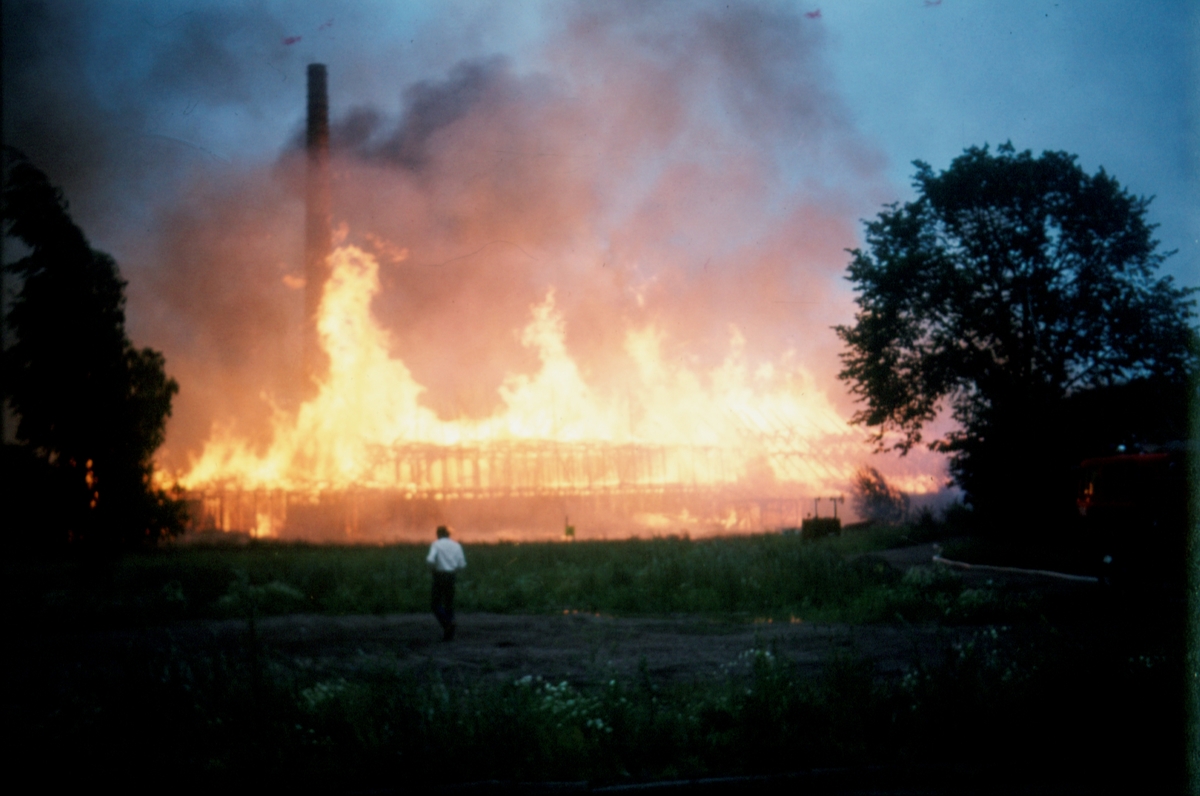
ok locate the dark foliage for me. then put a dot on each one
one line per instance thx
(875, 499)
(1015, 289)
(92, 408)
(1071, 711)
(1138, 414)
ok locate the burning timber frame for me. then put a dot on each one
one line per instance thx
(409, 487)
(533, 468)
(512, 484)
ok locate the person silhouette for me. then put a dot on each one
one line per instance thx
(445, 559)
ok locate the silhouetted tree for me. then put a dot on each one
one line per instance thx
(1011, 284)
(91, 407)
(873, 498)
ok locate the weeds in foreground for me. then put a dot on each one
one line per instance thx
(992, 704)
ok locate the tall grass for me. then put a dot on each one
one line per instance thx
(761, 576)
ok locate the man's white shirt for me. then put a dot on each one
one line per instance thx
(446, 555)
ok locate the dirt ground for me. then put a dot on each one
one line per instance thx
(581, 648)
(578, 647)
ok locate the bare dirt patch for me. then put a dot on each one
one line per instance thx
(580, 648)
(583, 648)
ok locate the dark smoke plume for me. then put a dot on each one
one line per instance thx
(685, 166)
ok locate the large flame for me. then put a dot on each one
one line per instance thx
(768, 427)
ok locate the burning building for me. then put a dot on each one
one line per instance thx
(659, 446)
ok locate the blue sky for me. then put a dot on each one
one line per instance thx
(1114, 83)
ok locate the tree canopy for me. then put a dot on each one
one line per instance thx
(92, 408)
(1009, 285)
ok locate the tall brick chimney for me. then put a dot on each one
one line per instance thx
(317, 219)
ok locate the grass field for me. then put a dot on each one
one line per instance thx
(1087, 692)
(774, 576)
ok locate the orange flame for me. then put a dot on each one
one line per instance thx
(770, 425)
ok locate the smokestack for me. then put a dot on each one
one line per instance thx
(317, 219)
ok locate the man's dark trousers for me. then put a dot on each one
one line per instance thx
(443, 602)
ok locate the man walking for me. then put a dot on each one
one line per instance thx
(445, 559)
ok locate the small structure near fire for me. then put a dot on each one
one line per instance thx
(816, 526)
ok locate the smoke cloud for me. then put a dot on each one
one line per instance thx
(686, 167)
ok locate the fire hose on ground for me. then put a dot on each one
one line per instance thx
(937, 559)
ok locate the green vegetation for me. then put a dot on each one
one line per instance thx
(91, 407)
(759, 576)
(1022, 294)
(1089, 692)
(997, 706)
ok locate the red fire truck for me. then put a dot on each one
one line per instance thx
(1134, 508)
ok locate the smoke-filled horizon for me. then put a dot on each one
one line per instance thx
(686, 171)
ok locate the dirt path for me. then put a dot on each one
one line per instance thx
(581, 648)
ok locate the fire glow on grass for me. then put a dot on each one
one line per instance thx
(762, 430)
